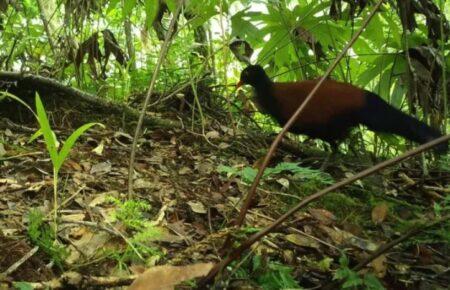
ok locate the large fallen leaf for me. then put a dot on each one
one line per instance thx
(323, 216)
(379, 213)
(212, 135)
(197, 207)
(2, 150)
(167, 277)
(379, 266)
(302, 241)
(341, 237)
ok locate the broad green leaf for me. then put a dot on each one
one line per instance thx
(112, 5)
(245, 29)
(71, 141)
(23, 286)
(46, 130)
(352, 281)
(172, 4)
(151, 10)
(372, 282)
(398, 95)
(277, 39)
(128, 6)
(374, 31)
(36, 135)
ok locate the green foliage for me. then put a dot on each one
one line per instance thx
(442, 208)
(43, 236)
(133, 214)
(277, 276)
(342, 205)
(23, 286)
(57, 158)
(267, 274)
(248, 174)
(444, 163)
(352, 280)
(151, 10)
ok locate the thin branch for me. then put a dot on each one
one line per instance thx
(17, 264)
(256, 237)
(164, 49)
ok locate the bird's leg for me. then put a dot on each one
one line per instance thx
(334, 150)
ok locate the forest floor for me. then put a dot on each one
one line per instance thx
(187, 191)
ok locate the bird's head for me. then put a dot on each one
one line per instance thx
(253, 75)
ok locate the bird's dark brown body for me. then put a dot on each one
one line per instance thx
(334, 109)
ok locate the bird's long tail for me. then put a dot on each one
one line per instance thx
(379, 116)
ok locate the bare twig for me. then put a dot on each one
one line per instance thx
(256, 237)
(78, 281)
(164, 49)
(17, 264)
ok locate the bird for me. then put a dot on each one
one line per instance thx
(334, 110)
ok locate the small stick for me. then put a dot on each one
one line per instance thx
(164, 49)
(17, 264)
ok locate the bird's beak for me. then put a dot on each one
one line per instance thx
(239, 84)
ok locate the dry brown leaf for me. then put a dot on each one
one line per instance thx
(184, 170)
(101, 168)
(379, 213)
(167, 277)
(323, 216)
(212, 135)
(99, 149)
(197, 207)
(379, 266)
(302, 241)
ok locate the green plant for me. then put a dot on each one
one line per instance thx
(248, 173)
(57, 157)
(267, 274)
(43, 236)
(23, 286)
(132, 213)
(352, 280)
(51, 142)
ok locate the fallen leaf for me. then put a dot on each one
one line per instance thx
(223, 145)
(141, 183)
(184, 170)
(379, 213)
(212, 135)
(2, 150)
(101, 168)
(167, 277)
(302, 241)
(284, 182)
(102, 198)
(379, 266)
(197, 207)
(99, 149)
(76, 217)
(323, 216)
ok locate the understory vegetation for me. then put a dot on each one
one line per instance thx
(127, 153)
